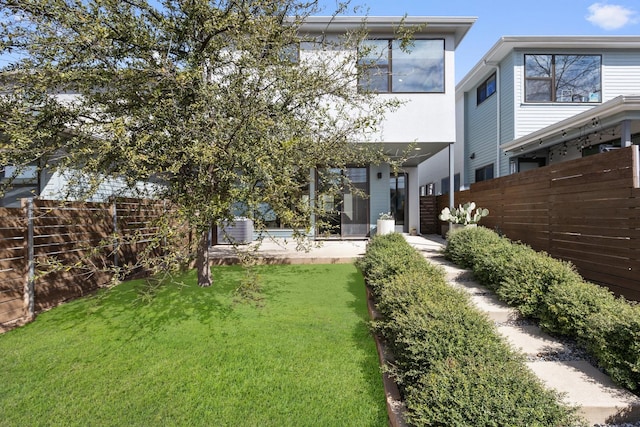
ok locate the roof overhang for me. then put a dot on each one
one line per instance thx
(386, 25)
(414, 153)
(606, 115)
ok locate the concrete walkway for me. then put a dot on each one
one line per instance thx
(600, 400)
(285, 251)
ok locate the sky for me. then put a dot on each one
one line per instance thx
(497, 18)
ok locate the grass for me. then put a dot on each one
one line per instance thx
(185, 355)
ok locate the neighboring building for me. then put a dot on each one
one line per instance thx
(535, 101)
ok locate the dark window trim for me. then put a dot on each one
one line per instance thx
(482, 175)
(552, 79)
(481, 92)
(390, 67)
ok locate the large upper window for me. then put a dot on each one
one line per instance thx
(563, 78)
(389, 67)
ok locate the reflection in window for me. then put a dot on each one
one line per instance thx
(563, 78)
(486, 89)
(484, 173)
(388, 67)
(294, 203)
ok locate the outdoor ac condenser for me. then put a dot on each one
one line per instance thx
(239, 231)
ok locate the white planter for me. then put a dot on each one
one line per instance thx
(386, 226)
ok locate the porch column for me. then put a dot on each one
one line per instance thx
(452, 174)
(625, 133)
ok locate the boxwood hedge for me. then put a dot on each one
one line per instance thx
(552, 292)
(451, 365)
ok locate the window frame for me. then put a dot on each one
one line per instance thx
(484, 170)
(481, 91)
(363, 86)
(552, 80)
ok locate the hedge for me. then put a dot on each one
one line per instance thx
(553, 293)
(451, 365)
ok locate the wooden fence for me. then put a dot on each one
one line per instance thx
(586, 211)
(76, 244)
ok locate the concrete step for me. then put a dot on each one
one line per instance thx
(599, 399)
(583, 385)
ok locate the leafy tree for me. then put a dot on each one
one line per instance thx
(213, 100)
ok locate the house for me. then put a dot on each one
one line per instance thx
(421, 77)
(534, 101)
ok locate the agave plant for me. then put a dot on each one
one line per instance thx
(464, 214)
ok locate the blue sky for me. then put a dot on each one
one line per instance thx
(497, 18)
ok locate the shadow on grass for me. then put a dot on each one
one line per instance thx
(138, 307)
(362, 334)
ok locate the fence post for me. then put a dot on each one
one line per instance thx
(116, 241)
(28, 293)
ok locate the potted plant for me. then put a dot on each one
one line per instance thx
(386, 224)
(463, 215)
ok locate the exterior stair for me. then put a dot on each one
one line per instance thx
(555, 363)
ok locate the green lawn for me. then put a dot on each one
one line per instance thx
(192, 356)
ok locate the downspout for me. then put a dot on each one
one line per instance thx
(452, 175)
(498, 127)
(498, 112)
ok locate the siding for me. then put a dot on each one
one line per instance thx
(620, 76)
(507, 109)
(532, 117)
(620, 73)
(480, 133)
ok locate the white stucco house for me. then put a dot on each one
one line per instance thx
(424, 80)
(532, 101)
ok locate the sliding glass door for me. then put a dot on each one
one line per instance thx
(346, 208)
(398, 198)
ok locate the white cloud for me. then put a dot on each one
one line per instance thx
(611, 16)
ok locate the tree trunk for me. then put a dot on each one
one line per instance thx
(202, 260)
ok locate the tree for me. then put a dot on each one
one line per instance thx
(211, 99)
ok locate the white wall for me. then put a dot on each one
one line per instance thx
(437, 167)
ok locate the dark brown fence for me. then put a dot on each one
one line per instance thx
(586, 211)
(13, 263)
(52, 251)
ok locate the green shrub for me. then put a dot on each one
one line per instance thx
(614, 340)
(464, 245)
(468, 392)
(528, 279)
(554, 293)
(568, 306)
(493, 262)
(386, 256)
(450, 363)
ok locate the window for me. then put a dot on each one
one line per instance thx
(444, 184)
(563, 78)
(484, 173)
(486, 89)
(389, 67)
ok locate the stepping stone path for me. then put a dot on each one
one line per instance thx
(557, 364)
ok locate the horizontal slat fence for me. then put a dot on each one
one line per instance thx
(13, 263)
(586, 211)
(70, 254)
(75, 247)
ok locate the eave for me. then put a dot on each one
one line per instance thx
(386, 25)
(608, 114)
